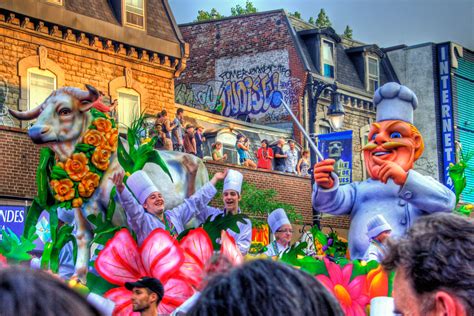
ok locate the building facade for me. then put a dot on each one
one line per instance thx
(442, 76)
(130, 51)
(245, 67)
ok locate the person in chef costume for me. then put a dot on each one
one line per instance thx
(282, 230)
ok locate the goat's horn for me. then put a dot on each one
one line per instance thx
(27, 115)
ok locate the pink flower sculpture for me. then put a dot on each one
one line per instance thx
(3, 262)
(177, 266)
(350, 294)
(160, 256)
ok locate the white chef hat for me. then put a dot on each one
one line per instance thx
(277, 218)
(66, 216)
(141, 185)
(233, 181)
(395, 102)
(377, 225)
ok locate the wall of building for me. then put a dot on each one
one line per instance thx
(243, 65)
(414, 67)
(83, 63)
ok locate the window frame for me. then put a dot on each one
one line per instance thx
(371, 77)
(323, 41)
(41, 72)
(364, 140)
(135, 26)
(122, 126)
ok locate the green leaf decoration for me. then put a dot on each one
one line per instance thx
(391, 276)
(63, 237)
(44, 167)
(155, 157)
(32, 216)
(291, 255)
(15, 249)
(111, 205)
(98, 285)
(84, 148)
(132, 142)
(222, 222)
(104, 230)
(124, 158)
(58, 173)
(97, 114)
(313, 266)
(45, 258)
(319, 235)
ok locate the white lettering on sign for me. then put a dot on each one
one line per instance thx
(12, 216)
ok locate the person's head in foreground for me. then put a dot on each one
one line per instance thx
(434, 267)
(34, 292)
(265, 287)
(146, 294)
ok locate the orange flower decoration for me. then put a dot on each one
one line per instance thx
(88, 184)
(77, 167)
(77, 202)
(102, 125)
(377, 283)
(112, 139)
(94, 137)
(101, 158)
(64, 189)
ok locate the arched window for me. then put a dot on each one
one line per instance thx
(128, 108)
(40, 84)
(228, 140)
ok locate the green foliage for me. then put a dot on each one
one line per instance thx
(323, 20)
(15, 249)
(348, 32)
(222, 222)
(311, 20)
(239, 10)
(292, 255)
(457, 173)
(98, 285)
(296, 14)
(207, 16)
(258, 203)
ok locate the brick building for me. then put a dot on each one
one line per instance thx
(128, 51)
(242, 67)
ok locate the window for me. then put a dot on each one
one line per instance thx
(128, 108)
(135, 13)
(40, 85)
(228, 140)
(373, 74)
(328, 59)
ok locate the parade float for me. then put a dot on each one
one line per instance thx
(84, 149)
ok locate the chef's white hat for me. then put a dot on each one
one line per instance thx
(377, 225)
(141, 185)
(233, 181)
(395, 102)
(276, 219)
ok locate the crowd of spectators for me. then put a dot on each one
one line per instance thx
(185, 137)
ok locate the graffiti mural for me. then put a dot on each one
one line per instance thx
(247, 86)
(5, 118)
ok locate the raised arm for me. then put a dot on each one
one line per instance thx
(133, 209)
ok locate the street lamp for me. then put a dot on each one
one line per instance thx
(335, 114)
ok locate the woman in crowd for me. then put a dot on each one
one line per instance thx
(166, 127)
(264, 156)
(242, 146)
(217, 152)
(303, 164)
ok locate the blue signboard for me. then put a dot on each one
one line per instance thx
(12, 217)
(446, 103)
(338, 146)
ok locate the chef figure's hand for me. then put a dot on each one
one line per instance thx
(322, 173)
(390, 169)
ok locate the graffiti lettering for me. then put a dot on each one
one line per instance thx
(258, 70)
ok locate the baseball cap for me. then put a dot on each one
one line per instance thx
(147, 282)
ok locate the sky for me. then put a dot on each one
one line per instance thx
(382, 22)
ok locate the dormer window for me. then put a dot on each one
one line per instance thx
(328, 59)
(135, 13)
(373, 78)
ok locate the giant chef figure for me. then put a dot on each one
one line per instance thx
(394, 189)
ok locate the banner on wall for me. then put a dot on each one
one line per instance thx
(12, 217)
(338, 146)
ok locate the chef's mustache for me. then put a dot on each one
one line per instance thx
(387, 145)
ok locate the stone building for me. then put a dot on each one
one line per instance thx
(244, 67)
(442, 76)
(129, 50)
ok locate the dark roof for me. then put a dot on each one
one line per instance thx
(103, 18)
